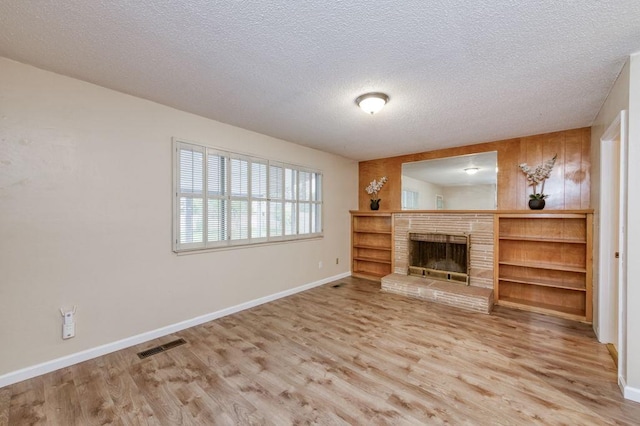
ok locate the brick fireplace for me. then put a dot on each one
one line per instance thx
(477, 227)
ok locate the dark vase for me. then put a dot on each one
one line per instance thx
(536, 204)
(375, 204)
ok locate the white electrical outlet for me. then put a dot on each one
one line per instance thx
(68, 330)
(320, 265)
(68, 323)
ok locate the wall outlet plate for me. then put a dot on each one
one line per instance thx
(68, 330)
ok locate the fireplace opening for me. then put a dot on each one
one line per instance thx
(439, 256)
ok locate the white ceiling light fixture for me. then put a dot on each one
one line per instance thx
(372, 102)
(471, 170)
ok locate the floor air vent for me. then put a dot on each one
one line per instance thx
(338, 285)
(161, 348)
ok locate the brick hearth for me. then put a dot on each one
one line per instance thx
(476, 299)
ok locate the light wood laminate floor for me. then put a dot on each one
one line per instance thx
(346, 355)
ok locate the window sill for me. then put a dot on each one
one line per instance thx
(248, 245)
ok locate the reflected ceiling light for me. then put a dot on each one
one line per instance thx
(471, 170)
(372, 102)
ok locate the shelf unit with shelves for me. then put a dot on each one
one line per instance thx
(544, 263)
(371, 244)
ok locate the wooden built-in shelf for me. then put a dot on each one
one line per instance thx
(539, 265)
(543, 263)
(373, 259)
(363, 246)
(544, 308)
(371, 248)
(362, 231)
(543, 239)
(368, 275)
(542, 283)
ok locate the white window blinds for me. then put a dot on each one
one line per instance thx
(217, 200)
(409, 200)
(276, 200)
(224, 199)
(190, 197)
(259, 197)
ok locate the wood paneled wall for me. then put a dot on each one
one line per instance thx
(568, 187)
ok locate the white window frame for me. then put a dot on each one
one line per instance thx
(316, 215)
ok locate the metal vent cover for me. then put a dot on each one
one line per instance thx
(161, 348)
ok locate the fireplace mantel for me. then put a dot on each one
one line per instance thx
(490, 212)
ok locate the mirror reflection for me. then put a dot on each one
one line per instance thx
(465, 182)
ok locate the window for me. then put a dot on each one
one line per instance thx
(409, 200)
(226, 199)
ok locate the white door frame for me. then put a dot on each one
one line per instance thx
(616, 131)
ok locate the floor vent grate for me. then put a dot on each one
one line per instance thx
(161, 348)
(338, 285)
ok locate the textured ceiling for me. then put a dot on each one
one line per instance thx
(457, 72)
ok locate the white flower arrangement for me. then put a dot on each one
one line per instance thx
(538, 176)
(375, 186)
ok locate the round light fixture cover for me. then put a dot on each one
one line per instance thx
(471, 170)
(372, 102)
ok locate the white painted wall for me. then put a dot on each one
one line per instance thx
(426, 192)
(633, 233)
(470, 197)
(625, 94)
(85, 218)
(461, 197)
(617, 101)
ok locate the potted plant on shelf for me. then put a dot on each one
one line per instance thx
(374, 187)
(537, 177)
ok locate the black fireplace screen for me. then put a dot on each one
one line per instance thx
(440, 256)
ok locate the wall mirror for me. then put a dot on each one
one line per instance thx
(465, 182)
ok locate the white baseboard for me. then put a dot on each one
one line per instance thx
(630, 393)
(56, 364)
